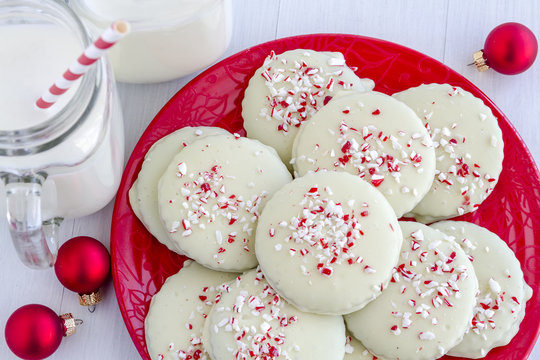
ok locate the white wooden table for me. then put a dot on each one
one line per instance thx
(449, 31)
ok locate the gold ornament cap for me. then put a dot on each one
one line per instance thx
(70, 324)
(480, 61)
(90, 299)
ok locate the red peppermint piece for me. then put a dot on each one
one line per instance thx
(376, 183)
(327, 99)
(346, 147)
(327, 271)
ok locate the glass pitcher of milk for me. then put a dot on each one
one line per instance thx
(63, 162)
(168, 38)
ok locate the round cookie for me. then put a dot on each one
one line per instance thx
(468, 145)
(251, 321)
(427, 306)
(174, 323)
(143, 193)
(503, 292)
(288, 89)
(211, 195)
(374, 136)
(354, 350)
(327, 242)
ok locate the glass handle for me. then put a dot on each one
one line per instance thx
(35, 240)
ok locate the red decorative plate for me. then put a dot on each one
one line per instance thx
(140, 264)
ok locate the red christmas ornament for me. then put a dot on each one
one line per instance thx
(34, 331)
(510, 49)
(82, 266)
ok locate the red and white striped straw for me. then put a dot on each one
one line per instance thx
(80, 66)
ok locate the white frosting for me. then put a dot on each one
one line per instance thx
(288, 89)
(468, 146)
(174, 323)
(252, 321)
(427, 306)
(143, 193)
(211, 195)
(374, 136)
(327, 242)
(503, 292)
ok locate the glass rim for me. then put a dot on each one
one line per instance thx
(39, 137)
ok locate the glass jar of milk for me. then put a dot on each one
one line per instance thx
(63, 162)
(168, 38)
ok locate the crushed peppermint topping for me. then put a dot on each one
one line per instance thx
(205, 200)
(208, 296)
(455, 167)
(486, 307)
(299, 89)
(428, 335)
(182, 169)
(260, 342)
(324, 230)
(376, 155)
(494, 286)
(428, 278)
(349, 349)
(488, 303)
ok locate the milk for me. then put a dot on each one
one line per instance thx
(84, 168)
(29, 66)
(169, 38)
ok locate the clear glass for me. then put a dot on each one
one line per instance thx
(164, 47)
(69, 165)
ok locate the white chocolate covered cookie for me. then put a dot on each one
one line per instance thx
(427, 306)
(143, 193)
(211, 195)
(174, 323)
(375, 137)
(503, 292)
(288, 89)
(327, 242)
(252, 321)
(468, 145)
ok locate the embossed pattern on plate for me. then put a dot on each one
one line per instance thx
(140, 264)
